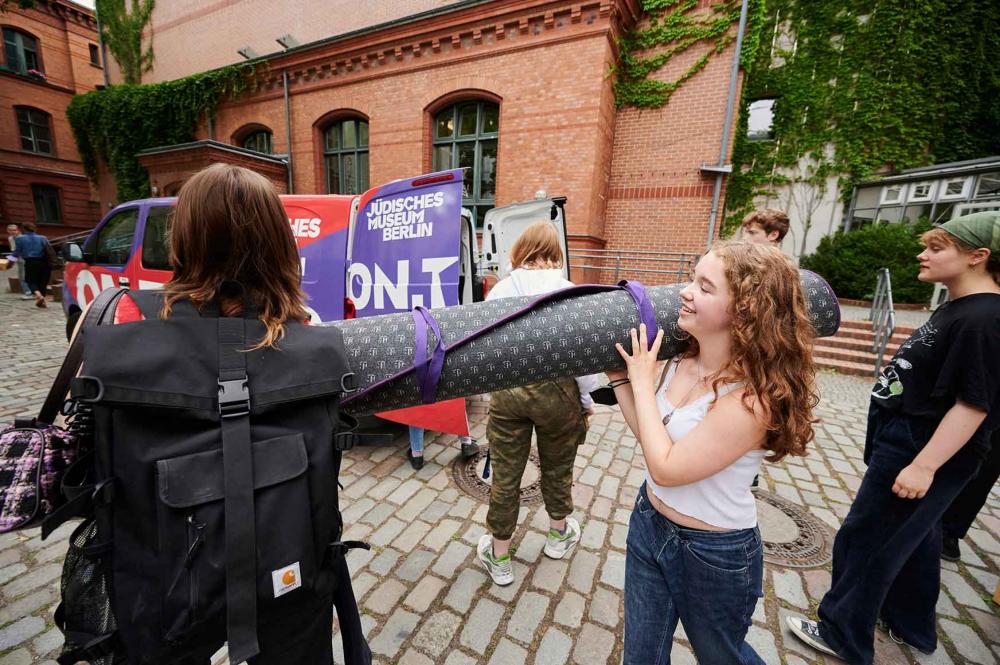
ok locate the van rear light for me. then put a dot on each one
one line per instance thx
(430, 180)
(350, 311)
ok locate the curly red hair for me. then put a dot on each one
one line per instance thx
(772, 338)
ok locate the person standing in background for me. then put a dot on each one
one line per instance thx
(13, 231)
(32, 249)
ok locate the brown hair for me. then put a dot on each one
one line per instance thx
(537, 247)
(229, 225)
(776, 368)
(769, 219)
(29, 227)
(942, 237)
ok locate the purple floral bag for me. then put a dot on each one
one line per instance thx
(33, 458)
(34, 454)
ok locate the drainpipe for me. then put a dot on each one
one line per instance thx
(104, 49)
(288, 131)
(721, 169)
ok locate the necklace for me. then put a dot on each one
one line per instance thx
(683, 402)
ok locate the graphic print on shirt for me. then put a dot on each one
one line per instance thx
(890, 381)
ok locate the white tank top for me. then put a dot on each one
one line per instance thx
(723, 500)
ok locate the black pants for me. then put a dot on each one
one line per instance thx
(966, 506)
(36, 274)
(886, 556)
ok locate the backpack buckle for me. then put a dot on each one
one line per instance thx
(347, 383)
(234, 398)
(343, 441)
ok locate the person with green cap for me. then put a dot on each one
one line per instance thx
(929, 423)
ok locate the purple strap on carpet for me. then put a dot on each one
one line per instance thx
(428, 369)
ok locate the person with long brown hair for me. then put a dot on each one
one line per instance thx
(742, 392)
(229, 227)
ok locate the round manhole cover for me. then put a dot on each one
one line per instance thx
(468, 475)
(792, 537)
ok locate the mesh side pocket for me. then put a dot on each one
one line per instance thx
(85, 615)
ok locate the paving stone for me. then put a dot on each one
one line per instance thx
(590, 476)
(441, 534)
(960, 590)
(48, 641)
(619, 536)
(18, 657)
(36, 578)
(530, 547)
(549, 574)
(507, 652)
(458, 658)
(396, 631)
(380, 513)
(508, 593)
(414, 565)
(593, 534)
(604, 608)
(570, 609)
(527, 616)
(362, 584)
(425, 593)
(415, 506)
(413, 657)
(681, 655)
(437, 632)
(594, 645)
(788, 587)
(10, 572)
(582, 571)
(554, 648)
(613, 571)
(465, 587)
(386, 597)
(411, 536)
(481, 625)
(20, 631)
(24, 606)
(386, 533)
(609, 487)
(384, 561)
(967, 643)
(763, 643)
(453, 557)
(404, 492)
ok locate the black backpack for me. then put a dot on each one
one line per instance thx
(212, 490)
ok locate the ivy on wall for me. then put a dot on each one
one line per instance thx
(114, 124)
(671, 27)
(865, 85)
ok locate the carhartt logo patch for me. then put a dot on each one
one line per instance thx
(286, 579)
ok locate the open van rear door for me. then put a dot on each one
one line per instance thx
(503, 226)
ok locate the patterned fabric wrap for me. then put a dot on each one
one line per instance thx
(32, 462)
(574, 336)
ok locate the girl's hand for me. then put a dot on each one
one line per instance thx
(642, 363)
(913, 482)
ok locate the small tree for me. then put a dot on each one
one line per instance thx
(122, 32)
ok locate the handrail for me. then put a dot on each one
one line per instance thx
(882, 316)
(627, 262)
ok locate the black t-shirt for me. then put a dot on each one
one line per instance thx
(954, 356)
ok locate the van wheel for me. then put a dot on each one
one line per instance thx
(71, 320)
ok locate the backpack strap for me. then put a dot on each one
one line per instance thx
(100, 312)
(237, 469)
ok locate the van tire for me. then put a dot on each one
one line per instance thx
(71, 320)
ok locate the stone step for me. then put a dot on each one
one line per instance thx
(834, 353)
(849, 333)
(847, 367)
(856, 344)
(853, 324)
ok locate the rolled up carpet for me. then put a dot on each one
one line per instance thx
(509, 342)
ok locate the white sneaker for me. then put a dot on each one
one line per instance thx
(559, 545)
(808, 632)
(500, 568)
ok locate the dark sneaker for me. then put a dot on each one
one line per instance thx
(950, 551)
(469, 447)
(808, 632)
(881, 623)
(416, 461)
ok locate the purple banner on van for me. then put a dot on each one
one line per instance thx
(406, 245)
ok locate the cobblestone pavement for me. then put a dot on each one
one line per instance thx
(423, 595)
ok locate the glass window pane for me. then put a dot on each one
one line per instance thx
(41, 145)
(349, 173)
(467, 159)
(363, 172)
(333, 137)
(445, 125)
(487, 169)
(333, 175)
(760, 120)
(480, 214)
(989, 184)
(156, 239)
(467, 120)
(491, 118)
(30, 59)
(27, 143)
(350, 134)
(115, 239)
(362, 133)
(442, 157)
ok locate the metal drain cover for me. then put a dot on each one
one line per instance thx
(792, 537)
(468, 475)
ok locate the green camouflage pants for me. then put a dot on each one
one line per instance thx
(552, 409)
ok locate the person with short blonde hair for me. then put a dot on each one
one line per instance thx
(765, 226)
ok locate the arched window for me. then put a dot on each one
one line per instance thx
(465, 135)
(20, 51)
(345, 156)
(36, 130)
(259, 141)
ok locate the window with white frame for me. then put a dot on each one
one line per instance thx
(892, 194)
(955, 188)
(760, 120)
(989, 185)
(921, 191)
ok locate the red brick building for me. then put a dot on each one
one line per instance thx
(517, 90)
(50, 54)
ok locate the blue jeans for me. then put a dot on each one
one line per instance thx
(886, 556)
(416, 440)
(709, 580)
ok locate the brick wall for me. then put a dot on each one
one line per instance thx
(63, 32)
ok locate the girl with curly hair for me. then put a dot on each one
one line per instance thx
(742, 392)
